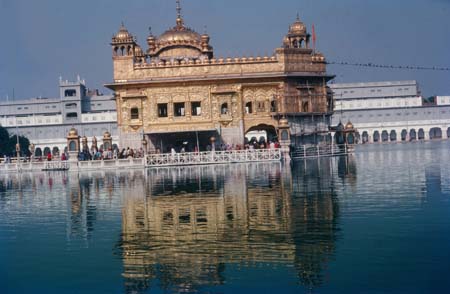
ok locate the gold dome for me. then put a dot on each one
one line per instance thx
(297, 28)
(179, 34)
(138, 51)
(106, 135)
(284, 122)
(123, 35)
(349, 125)
(73, 132)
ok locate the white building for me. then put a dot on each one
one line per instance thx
(391, 111)
(47, 121)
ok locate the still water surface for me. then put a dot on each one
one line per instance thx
(374, 222)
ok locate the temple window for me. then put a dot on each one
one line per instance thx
(305, 107)
(70, 93)
(134, 113)
(224, 108)
(162, 110)
(196, 108)
(273, 106)
(179, 109)
(261, 107)
(248, 108)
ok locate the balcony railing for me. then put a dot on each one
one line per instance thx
(213, 157)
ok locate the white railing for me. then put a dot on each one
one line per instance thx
(213, 157)
(311, 151)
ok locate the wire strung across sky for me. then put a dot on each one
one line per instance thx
(408, 67)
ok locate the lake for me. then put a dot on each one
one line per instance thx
(377, 221)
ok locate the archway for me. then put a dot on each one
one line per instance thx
(365, 137)
(412, 135)
(38, 152)
(261, 135)
(421, 134)
(393, 136)
(55, 151)
(404, 135)
(376, 136)
(47, 151)
(384, 136)
(435, 133)
(350, 139)
(448, 133)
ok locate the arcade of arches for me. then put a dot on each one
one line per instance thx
(402, 135)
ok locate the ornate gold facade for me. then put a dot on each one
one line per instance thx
(178, 86)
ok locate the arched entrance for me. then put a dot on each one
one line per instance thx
(385, 136)
(47, 151)
(412, 135)
(55, 151)
(261, 135)
(448, 133)
(365, 137)
(376, 136)
(393, 136)
(435, 133)
(404, 135)
(421, 134)
(38, 152)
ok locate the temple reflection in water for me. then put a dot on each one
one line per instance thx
(184, 226)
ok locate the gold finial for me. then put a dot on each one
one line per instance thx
(298, 16)
(179, 18)
(178, 9)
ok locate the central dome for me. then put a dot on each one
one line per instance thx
(179, 43)
(180, 34)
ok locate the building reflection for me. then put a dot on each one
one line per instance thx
(182, 227)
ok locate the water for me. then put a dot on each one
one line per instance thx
(374, 222)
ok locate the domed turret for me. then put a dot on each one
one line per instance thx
(73, 132)
(123, 43)
(123, 36)
(297, 36)
(349, 125)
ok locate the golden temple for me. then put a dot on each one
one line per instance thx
(178, 91)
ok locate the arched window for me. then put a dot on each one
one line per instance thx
(295, 44)
(305, 107)
(134, 113)
(384, 136)
(224, 108)
(404, 134)
(273, 106)
(365, 137)
(393, 136)
(38, 152)
(376, 136)
(72, 146)
(412, 134)
(248, 108)
(55, 151)
(421, 134)
(47, 151)
(261, 106)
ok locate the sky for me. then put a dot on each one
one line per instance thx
(47, 39)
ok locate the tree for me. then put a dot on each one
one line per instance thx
(4, 141)
(8, 144)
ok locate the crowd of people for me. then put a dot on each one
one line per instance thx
(116, 153)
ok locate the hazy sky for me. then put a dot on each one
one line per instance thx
(45, 39)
